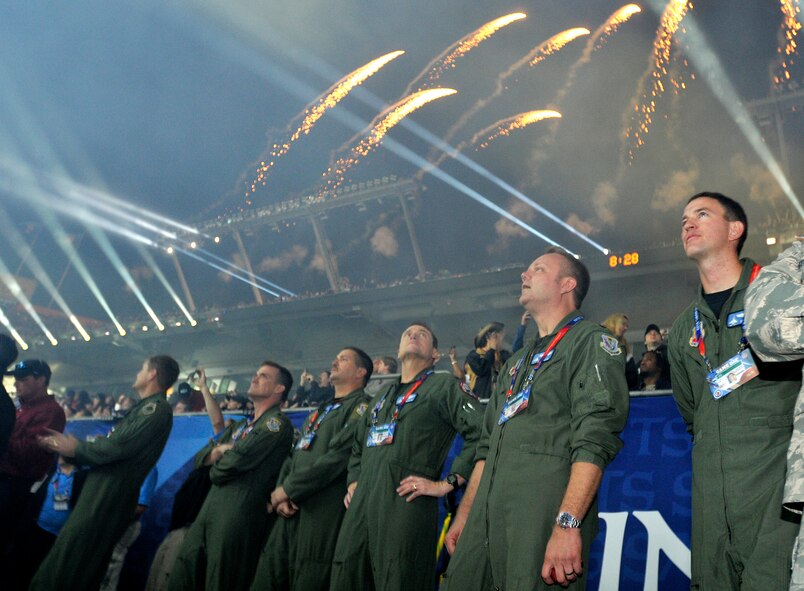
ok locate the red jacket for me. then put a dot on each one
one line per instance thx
(24, 458)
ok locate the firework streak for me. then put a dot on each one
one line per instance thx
(312, 114)
(447, 59)
(506, 126)
(790, 28)
(539, 53)
(645, 106)
(388, 119)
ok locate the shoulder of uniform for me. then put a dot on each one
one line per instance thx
(277, 423)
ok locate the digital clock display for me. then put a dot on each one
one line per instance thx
(629, 259)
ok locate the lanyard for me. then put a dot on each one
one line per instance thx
(699, 338)
(243, 431)
(559, 335)
(402, 402)
(313, 426)
(68, 485)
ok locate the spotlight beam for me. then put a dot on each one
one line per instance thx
(161, 276)
(106, 246)
(16, 290)
(710, 67)
(29, 258)
(17, 337)
(72, 254)
(241, 269)
(193, 255)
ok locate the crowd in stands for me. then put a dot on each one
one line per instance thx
(350, 500)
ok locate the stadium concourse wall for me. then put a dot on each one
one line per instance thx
(644, 500)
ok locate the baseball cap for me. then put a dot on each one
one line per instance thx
(652, 327)
(30, 367)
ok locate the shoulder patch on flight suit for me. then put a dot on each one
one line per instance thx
(273, 424)
(361, 408)
(466, 389)
(610, 345)
(149, 408)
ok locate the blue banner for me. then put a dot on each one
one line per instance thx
(644, 499)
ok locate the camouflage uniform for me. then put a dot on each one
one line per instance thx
(739, 539)
(774, 308)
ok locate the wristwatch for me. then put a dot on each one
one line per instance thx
(452, 480)
(567, 520)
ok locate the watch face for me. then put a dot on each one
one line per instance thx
(452, 480)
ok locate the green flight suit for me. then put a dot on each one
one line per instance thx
(385, 542)
(578, 405)
(739, 539)
(119, 464)
(223, 545)
(298, 553)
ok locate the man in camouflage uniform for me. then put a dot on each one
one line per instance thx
(223, 545)
(312, 484)
(738, 409)
(774, 316)
(389, 534)
(529, 514)
(119, 464)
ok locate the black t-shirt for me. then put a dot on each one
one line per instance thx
(716, 300)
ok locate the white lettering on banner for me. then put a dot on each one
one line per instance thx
(612, 549)
(660, 539)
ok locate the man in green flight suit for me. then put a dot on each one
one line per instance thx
(389, 534)
(312, 484)
(738, 409)
(119, 464)
(529, 514)
(223, 545)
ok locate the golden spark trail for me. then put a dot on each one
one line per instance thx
(388, 119)
(504, 127)
(555, 43)
(536, 55)
(645, 106)
(333, 95)
(595, 42)
(447, 58)
(791, 25)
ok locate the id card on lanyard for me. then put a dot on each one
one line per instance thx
(516, 403)
(306, 440)
(384, 434)
(736, 370)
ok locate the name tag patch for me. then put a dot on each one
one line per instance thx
(736, 319)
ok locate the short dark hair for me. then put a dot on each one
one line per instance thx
(364, 361)
(167, 370)
(426, 326)
(734, 212)
(285, 377)
(390, 363)
(482, 337)
(575, 269)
